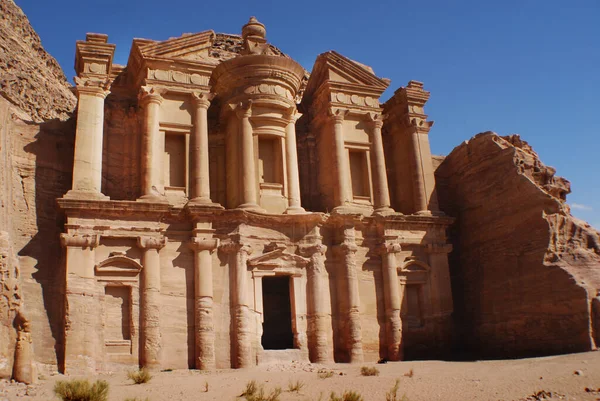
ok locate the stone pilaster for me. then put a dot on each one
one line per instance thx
(392, 298)
(346, 253)
(150, 302)
(342, 165)
(242, 353)
(200, 193)
(319, 305)
(442, 303)
(382, 193)
(153, 146)
(203, 302)
(82, 320)
(291, 152)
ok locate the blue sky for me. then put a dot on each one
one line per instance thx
(527, 67)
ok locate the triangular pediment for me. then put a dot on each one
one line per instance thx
(278, 258)
(187, 47)
(337, 70)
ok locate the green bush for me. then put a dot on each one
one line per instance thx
(81, 390)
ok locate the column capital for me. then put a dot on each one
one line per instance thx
(376, 120)
(204, 244)
(93, 86)
(80, 240)
(389, 248)
(291, 115)
(202, 99)
(337, 115)
(147, 242)
(151, 94)
(345, 248)
(244, 109)
(230, 247)
(312, 249)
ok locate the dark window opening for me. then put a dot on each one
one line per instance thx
(277, 326)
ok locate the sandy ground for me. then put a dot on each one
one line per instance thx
(566, 376)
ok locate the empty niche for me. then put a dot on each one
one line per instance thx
(117, 319)
(414, 305)
(175, 160)
(359, 173)
(269, 160)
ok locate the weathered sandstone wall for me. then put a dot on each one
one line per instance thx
(524, 271)
(36, 142)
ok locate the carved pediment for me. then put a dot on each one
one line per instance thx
(277, 258)
(118, 265)
(195, 47)
(341, 72)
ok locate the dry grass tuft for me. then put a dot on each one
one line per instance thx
(369, 371)
(139, 376)
(392, 395)
(348, 395)
(295, 387)
(410, 373)
(324, 374)
(81, 390)
(255, 392)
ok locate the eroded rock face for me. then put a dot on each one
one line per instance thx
(524, 271)
(30, 78)
(35, 163)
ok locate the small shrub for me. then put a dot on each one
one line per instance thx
(324, 374)
(206, 387)
(348, 395)
(139, 376)
(81, 390)
(410, 373)
(295, 387)
(369, 371)
(254, 392)
(392, 395)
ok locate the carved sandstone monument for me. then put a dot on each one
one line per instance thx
(211, 204)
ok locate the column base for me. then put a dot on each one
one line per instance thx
(85, 195)
(424, 213)
(384, 210)
(346, 209)
(251, 206)
(204, 202)
(294, 210)
(153, 198)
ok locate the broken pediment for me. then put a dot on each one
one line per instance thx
(277, 257)
(194, 47)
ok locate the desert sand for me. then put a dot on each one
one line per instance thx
(565, 376)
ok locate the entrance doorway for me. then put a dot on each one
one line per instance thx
(277, 326)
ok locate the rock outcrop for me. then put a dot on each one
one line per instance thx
(36, 104)
(524, 271)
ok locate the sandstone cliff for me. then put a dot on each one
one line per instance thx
(524, 271)
(36, 139)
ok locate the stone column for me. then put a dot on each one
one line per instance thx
(240, 314)
(82, 304)
(342, 165)
(152, 149)
(291, 153)
(150, 302)
(248, 168)
(347, 253)
(319, 306)
(89, 136)
(200, 160)
(391, 290)
(420, 197)
(382, 193)
(203, 302)
(23, 368)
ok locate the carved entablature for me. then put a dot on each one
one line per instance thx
(94, 56)
(80, 240)
(406, 109)
(337, 81)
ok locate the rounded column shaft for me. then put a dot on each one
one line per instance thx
(391, 287)
(420, 197)
(249, 198)
(151, 148)
(382, 193)
(200, 156)
(150, 302)
(293, 176)
(341, 158)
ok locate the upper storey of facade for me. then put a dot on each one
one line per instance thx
(222, 121)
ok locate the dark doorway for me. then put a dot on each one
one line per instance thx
(277, 326)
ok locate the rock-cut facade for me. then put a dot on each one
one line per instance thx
(228, 209)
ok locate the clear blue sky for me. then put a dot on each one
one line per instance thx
(527, 67)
